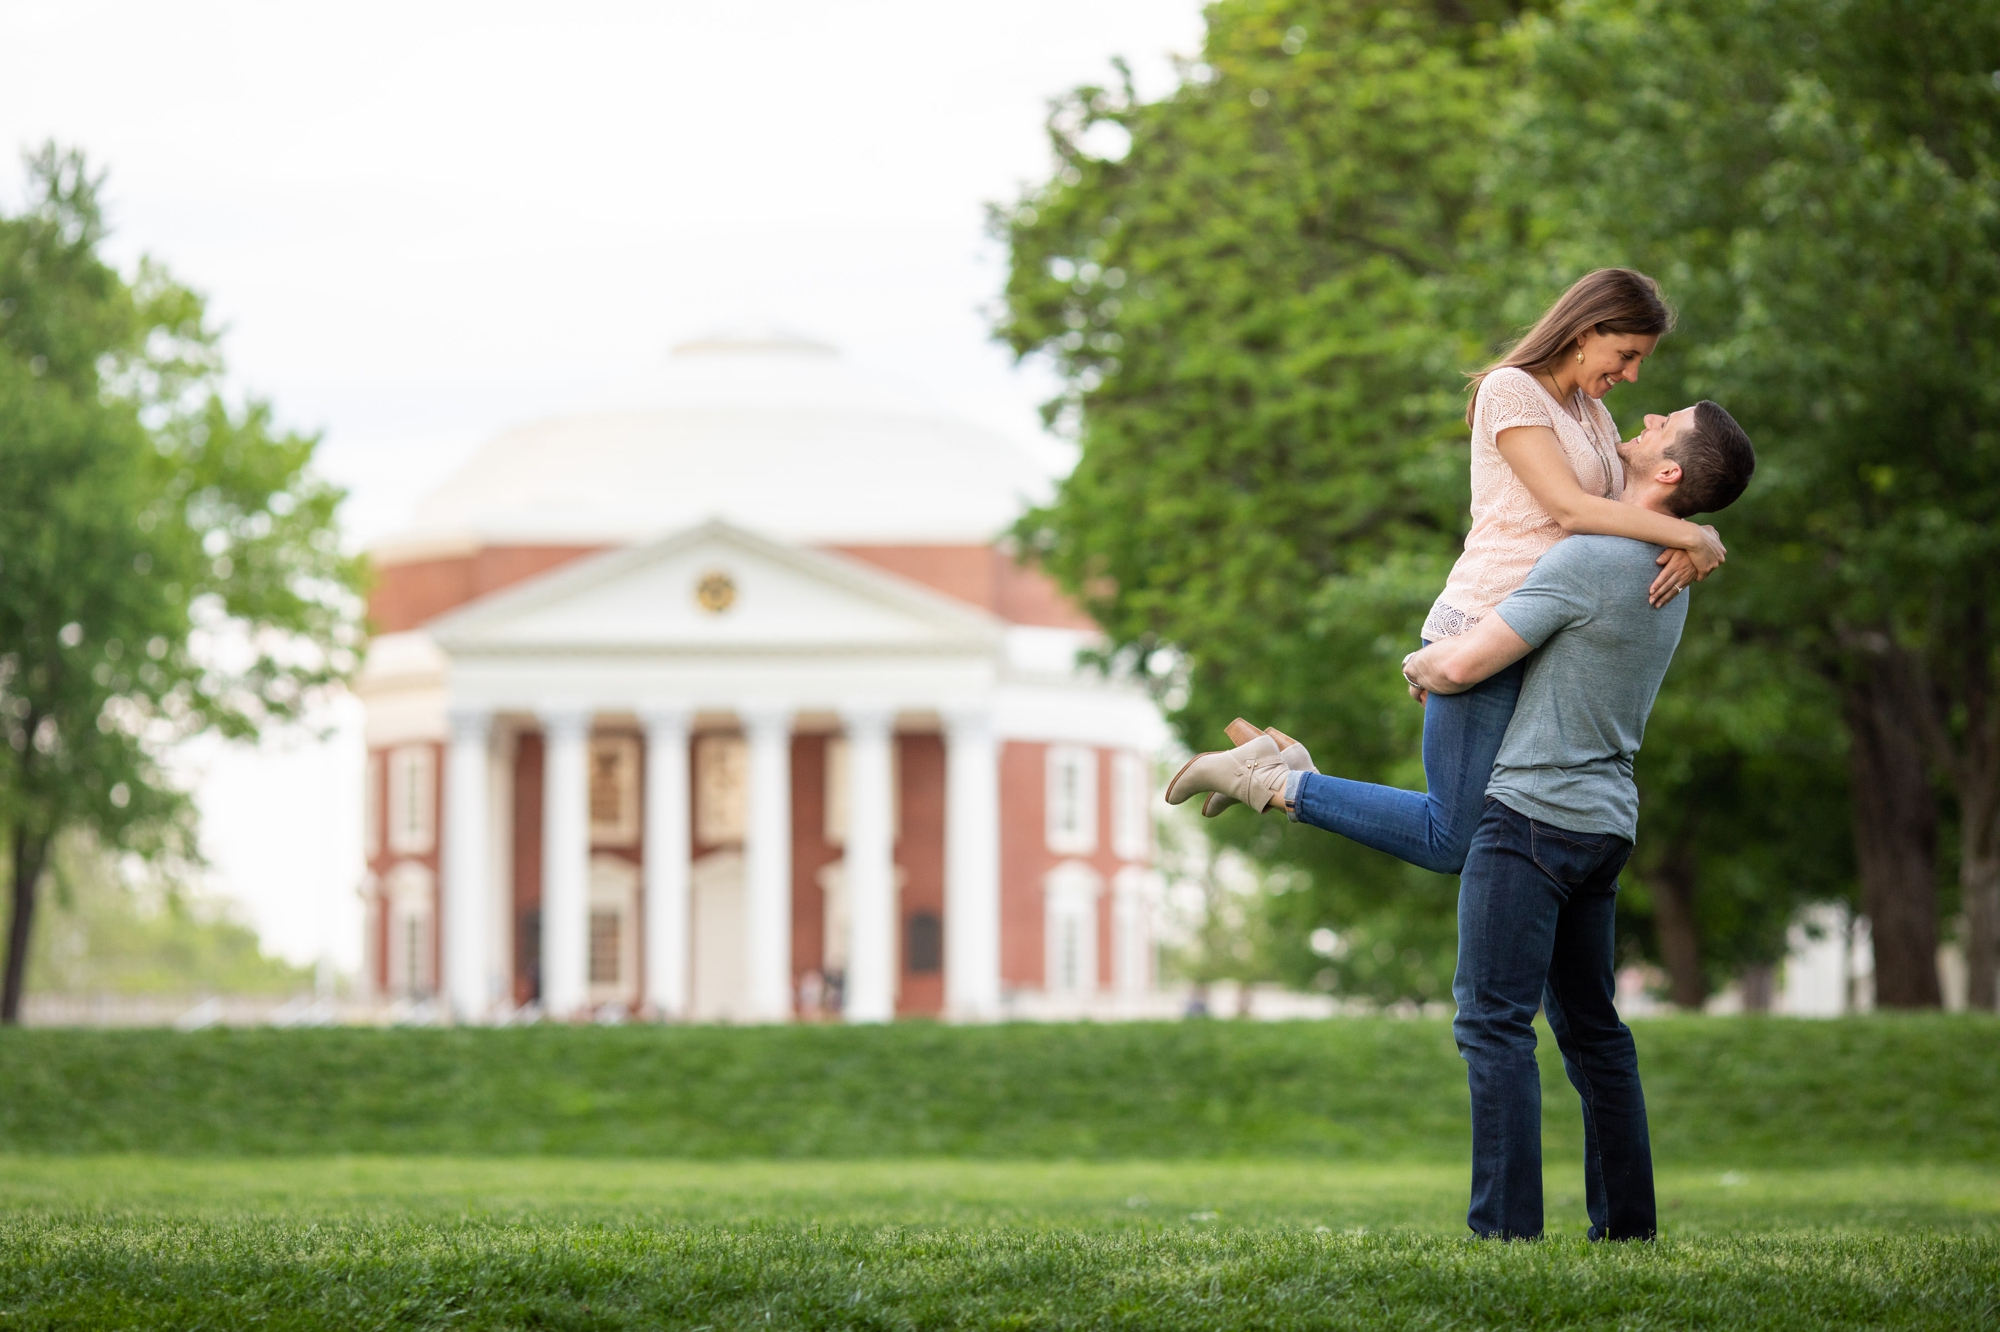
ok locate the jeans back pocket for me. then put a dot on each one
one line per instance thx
(1567, 856)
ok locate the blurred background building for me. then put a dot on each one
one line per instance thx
(722, 699)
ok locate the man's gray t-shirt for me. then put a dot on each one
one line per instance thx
(1567, 756)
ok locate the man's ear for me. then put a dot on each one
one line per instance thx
(1669, 473)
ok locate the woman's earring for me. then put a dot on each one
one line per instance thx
(1579, 356)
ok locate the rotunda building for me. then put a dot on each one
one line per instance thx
(721, 700)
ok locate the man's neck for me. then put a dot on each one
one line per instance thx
(1649, 495)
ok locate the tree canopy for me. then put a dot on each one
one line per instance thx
(170, 563)
(1262, 289)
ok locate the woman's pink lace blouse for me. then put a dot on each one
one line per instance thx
(1509, 530)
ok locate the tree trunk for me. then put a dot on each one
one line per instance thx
(1673, 885)
(1895, 835)
(29, 853)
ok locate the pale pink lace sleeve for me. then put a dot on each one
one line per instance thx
(1509, 398)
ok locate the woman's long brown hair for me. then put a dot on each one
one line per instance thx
(1611, 300)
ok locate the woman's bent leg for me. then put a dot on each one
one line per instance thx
(1462, 734)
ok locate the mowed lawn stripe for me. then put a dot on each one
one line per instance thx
(1080, 1195)
(1728, 1091)
(472, 1275)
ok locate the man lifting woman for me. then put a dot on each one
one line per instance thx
(1580, 547)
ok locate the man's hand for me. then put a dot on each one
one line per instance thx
(1424, 670)
(1453, 665)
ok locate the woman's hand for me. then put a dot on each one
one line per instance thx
(1681, 567)
(1709, 553)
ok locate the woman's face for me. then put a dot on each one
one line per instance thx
(1610, 359)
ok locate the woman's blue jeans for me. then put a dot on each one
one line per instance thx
(1462, 734)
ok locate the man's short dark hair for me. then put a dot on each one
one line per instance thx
(1716, 462)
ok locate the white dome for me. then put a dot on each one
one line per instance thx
(770, 431)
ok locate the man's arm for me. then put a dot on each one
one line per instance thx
(1453, 665)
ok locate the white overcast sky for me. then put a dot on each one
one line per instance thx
(422, 222)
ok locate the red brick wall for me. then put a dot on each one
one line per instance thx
(810, 854)
(1024, 859)
(980, 575)
(920, 855)
(410, 593)
(527, 896)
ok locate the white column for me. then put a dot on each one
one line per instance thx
(565, 862)
(971, 867)
(468, 984)
(667, 850)
(870, 994)
(767, 867)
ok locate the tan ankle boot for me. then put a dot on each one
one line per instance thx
(1252, 774)
(1241, 732)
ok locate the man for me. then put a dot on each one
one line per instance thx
(1538, 891)
(1537, 894)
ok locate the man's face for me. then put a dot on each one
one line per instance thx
(1644, 454)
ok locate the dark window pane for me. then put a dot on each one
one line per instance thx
(925, 952)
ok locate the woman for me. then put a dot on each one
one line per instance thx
(1544, 466)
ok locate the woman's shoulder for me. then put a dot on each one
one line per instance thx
(1510, 396)
(1509, 375)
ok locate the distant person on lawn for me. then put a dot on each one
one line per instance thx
(1539, 888)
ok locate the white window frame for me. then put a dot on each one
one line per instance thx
(371, 806)
(721, 789)
(1069, 895)
(622, 753)
(1135, 895)
(412, 810)
(1131, 808)
(614, 888)
(1069, 800)
(374, 902)
(410, 897)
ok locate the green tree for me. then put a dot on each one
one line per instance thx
(1816, 182)
(1260, 291)
(169, 563)
(1742, 812)
(105, 931)
(1257, 300)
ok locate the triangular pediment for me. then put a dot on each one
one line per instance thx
(715, 588)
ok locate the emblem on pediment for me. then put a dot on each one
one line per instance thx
(715, 592)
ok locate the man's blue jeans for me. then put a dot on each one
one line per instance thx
(1534, 928)
(1462, 734)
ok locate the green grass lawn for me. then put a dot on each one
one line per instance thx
(137, 1242)
(1204, 1175)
